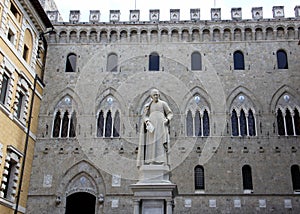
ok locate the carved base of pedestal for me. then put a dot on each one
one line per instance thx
(154, 192)
(154, 174)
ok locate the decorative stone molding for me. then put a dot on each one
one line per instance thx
(94, 15)
(114, 15)
(195, 14)
(215, 14)
(53, 15)
(154, 15)
(134, 15)
(74, 16)
(297, 11)
(175, 15)
(278, 12)
(236, 13)
(257, 13)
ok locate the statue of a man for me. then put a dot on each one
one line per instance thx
(154, 136)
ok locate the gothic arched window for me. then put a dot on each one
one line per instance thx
(199, 177)
(251, 123)
(71, 63)
(116, 130)
(280, 123)
(295, 177)
(153, 62)
(100, 124)
(206, 129)
(289, 122)
(189, 124)
(196, 62)
(108, 124)
(198, 131)
(238, 60)
(234, 123)
(112, 62)
(65, 124)
(56, 125)
(247, 177)
(282, 61)
(243, 123)
(297, 121)
(73, 122)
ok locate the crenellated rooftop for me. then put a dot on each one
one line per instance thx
(154, 15)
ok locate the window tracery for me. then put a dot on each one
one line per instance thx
(65, 119)
(197, 117)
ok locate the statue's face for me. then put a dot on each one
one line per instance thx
(155, 95)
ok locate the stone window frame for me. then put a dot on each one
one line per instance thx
(11, 173)
(9, 71)
(196, 56)
(282, 59)
(112, 62)
(295, 175)
(239, 120)
(21, 106)
(201, 124)
(115, 118)
(71, 64)
(283, 128)
(66, 115)
(238, 60)
(199, 178)
(154, 61)
(247, 179)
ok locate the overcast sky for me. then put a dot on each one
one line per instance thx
(164, 6)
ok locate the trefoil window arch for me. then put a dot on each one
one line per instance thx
(65, 119)
(243, 122)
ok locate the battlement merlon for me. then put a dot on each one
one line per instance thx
(154, 15)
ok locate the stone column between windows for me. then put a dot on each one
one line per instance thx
(239, 127)
(112, 125)
(247, 124)
(69, 124)
(194, 126)
(201, 125)
(104, 124)
(60, 126)
(284, 122)
(293, 122)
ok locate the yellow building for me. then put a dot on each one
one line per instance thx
(22, 48)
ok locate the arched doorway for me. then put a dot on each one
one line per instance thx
(81, 203)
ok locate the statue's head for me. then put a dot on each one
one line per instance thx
(155, 95)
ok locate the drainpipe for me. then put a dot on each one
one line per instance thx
(26, 145)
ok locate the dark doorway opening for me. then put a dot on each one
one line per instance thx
(81, 203)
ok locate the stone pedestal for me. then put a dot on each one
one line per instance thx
(154, 192)
(154, 174)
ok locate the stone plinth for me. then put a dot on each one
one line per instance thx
(153, 198)
(154, 192)
(154, 174)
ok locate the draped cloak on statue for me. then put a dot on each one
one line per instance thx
(154, 135)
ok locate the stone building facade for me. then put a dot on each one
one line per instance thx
(22, 59)
(233, 86)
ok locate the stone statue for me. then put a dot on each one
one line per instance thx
(154, 135)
